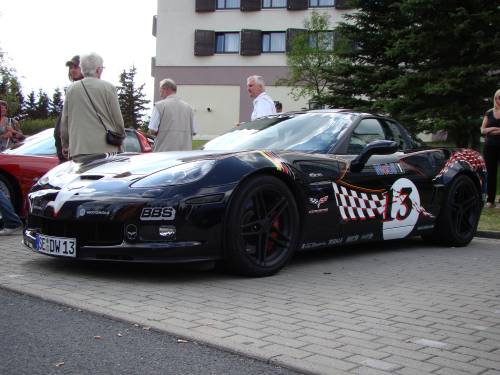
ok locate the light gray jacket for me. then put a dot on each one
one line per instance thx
(81, 131)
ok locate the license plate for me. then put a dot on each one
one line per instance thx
(59, 246)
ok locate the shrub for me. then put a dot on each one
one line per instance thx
(30, 127)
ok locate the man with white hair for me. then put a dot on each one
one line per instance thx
(90, 109)
(172, 120)
(263, 105)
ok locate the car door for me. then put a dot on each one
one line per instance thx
(384, 199)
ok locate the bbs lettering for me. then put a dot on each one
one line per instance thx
(158, 213)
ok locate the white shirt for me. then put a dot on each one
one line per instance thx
(263, 105)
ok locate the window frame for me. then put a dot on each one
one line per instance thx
(314, 36)
(225, 5)
(274, 7)
(321, 6)
(224, 33)
(269, 33)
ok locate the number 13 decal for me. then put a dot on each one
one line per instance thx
(400, 215)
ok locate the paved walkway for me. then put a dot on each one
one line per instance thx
(399, 308)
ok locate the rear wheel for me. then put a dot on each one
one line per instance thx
(262, 227)
(458, 219)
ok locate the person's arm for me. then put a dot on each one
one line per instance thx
(64, 130)
(154, 122)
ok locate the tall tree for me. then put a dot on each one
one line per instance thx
(433, 64)
(30, 106)
(42, 105)
(56, 104)
(132, 99)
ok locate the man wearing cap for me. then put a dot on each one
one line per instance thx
(74, 74)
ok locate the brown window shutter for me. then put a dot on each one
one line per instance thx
(297, 4)
(251, 42)
(205, 5)
(204, 42)
(344, 4)
(290, 34)
(250, 5)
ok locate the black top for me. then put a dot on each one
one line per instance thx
(492, 140)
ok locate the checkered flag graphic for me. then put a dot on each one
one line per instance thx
(471, 157)
(354, 205)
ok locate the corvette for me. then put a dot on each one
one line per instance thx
(255, 195)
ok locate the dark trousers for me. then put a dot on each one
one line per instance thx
(492, 157)
(10, 218)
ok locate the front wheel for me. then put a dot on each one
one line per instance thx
(457, 222)
(262, 227)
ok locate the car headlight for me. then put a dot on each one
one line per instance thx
(178, 175)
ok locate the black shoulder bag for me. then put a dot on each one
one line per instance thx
(112, 138)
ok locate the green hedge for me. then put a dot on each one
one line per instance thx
(30, 127)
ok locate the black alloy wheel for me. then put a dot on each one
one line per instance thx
(262, 227)
(457, 223)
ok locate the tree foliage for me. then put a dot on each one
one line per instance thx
(42, 105)
(432, 64)
(56, 104)
(132, 99)
(311, 56)
(10, 88)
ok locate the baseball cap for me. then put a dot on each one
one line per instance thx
(75, 60)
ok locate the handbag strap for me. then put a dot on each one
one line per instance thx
(95, 109)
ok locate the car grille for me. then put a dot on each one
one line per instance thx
(86, 233)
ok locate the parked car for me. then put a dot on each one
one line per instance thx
(317, 179)
(23, 165)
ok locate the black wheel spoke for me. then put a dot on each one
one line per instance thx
(277, 209)
(262, 249)
(259, 203)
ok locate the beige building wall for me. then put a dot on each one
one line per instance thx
(218, 82)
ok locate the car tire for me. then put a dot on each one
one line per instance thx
(457, 222)
(262, 227)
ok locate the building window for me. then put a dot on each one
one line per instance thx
(322, 40)
(320, 3)
(273, 3)
(274, 42)
(227, 42)
(228, 4)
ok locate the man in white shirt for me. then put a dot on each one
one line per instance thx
(263, 105)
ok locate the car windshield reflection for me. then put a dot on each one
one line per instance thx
(40, 144)
(310, 133)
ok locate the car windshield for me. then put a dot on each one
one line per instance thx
(41, 144)
(310, 132)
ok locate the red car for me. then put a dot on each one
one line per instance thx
(22, 166)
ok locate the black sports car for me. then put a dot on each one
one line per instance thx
(256, 194)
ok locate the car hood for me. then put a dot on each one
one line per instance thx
(125, 166)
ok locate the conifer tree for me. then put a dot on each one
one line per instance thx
(432, 64)
(131, 98)
(30, 105)
(56, 104)
(42, 105)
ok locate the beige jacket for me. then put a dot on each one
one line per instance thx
(176, 125)
(81, 131)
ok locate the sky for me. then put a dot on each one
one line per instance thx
(38, 37)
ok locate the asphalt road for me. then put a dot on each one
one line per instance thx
(40, 337)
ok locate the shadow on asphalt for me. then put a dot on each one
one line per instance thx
(160, 272)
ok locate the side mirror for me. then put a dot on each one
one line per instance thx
(380, 147)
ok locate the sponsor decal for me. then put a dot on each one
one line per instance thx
(157, 213)
(68, 191)
(131, 232)
(424, 227)
(387, 169)
(335, 241)
(93, 212)
(318, 211)
(315, 175)
(312, 245)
